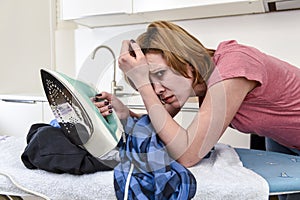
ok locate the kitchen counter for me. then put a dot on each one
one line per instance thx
(23, 98)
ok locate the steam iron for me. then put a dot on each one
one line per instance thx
(79, 118)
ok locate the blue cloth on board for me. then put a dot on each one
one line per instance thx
(54, 123)
(155, 174)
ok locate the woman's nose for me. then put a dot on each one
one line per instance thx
(158, 88)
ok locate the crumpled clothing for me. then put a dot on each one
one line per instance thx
(155, 174)
(49, 149)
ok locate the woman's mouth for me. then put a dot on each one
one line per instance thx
(168, 99)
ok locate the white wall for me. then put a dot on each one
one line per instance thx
(32, 38)
(26, 44)
(274, 33)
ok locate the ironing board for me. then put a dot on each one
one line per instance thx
(281, 171)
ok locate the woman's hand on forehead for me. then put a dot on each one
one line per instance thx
(135, 68)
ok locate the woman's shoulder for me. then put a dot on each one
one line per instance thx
(233, 46)
(226, 44)
(236, 60)
(233, 52)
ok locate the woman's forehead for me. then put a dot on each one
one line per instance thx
(155, 61)
(155, 58)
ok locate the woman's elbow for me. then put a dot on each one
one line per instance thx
(189, 162)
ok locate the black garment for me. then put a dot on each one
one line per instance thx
(49, 149)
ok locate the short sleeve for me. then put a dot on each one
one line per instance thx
(235, 64)
(233, 60)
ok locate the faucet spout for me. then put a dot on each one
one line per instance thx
(114, 86)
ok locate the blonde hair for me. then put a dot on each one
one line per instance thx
(179, 48)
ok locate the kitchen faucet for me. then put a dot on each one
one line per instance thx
(114, 86)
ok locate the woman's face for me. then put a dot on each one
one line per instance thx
(171, 87)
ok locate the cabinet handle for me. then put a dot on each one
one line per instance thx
(19, 101)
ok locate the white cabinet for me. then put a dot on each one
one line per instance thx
(158, 5)
(231, 136)
(235, 138)
(93, 13)
(75, 9)
(96, 13)
(18, 113)
(195, 9)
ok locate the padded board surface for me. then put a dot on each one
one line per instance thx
(281, 171)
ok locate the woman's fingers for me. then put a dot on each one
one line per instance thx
(124, 48)
(137, 49)
(104, 95)
(103, 102)
(134, 67)
(106, 110)
(104, 107)
(130, 51)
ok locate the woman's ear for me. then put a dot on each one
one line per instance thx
(192, 68)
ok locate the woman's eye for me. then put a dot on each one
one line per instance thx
(159, 74)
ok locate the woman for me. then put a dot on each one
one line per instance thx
(236, 85)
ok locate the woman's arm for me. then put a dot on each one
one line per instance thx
(220, 105)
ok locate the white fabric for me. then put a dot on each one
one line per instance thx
(221, 176)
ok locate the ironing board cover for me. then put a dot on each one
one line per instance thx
(281, 171)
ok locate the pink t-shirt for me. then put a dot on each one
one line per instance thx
(272, 109)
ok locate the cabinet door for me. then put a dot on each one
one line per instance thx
(75, 9)
(194, 9)
(17, 117)
(235, 138)
(159, 5)
(231, 137)
(156, 5)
